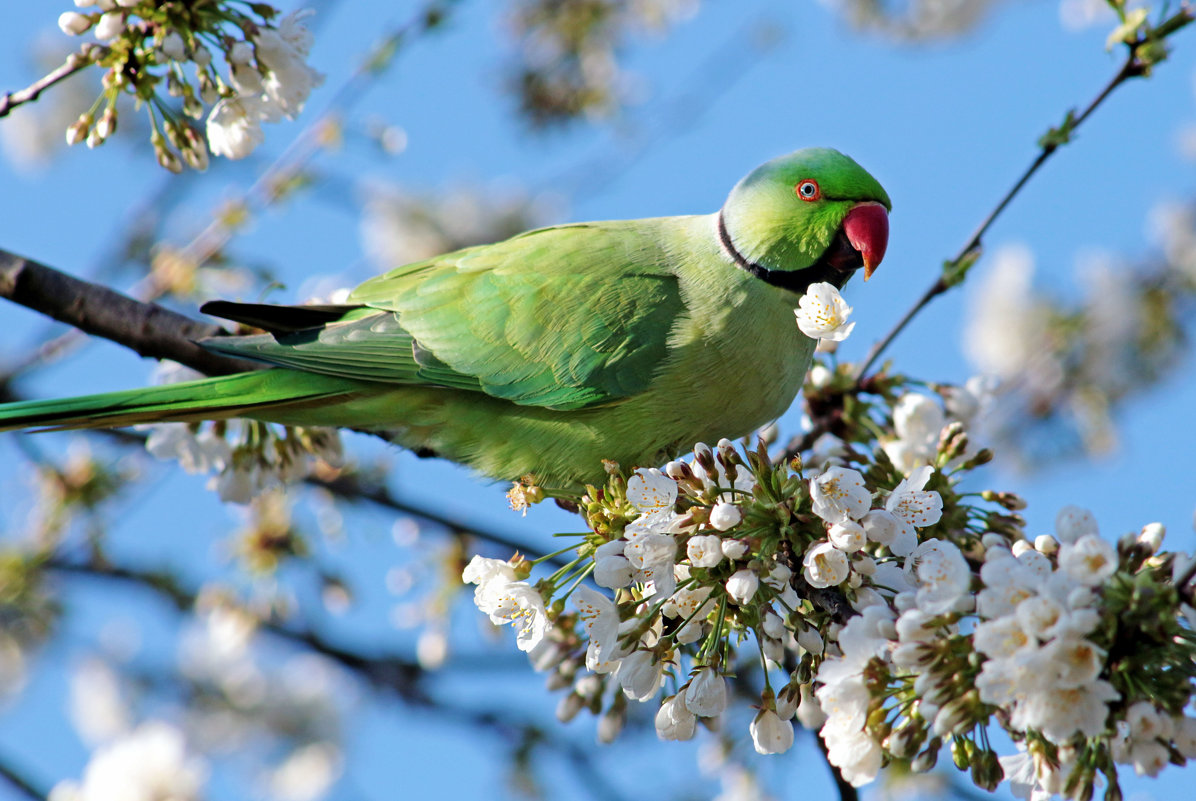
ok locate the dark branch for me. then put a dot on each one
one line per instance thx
(846, 791)
(384, 672)
(351, 487)
(146, 328)
(22, 783)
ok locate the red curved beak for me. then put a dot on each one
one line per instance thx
(867, 229)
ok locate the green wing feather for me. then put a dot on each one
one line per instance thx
(557, 318)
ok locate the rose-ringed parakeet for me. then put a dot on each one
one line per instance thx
(549, 352)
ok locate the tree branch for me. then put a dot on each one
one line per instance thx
(351, 487)
(21, 782)
(955, 269)
(1132, 67)
(384, 672)
(87, 55)
(146, 328)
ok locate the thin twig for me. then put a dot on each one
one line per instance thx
(85, 57)
(350, 487)
(208, 242)
(387, 670)
(384, 672)
(22, 783)
(1132, 67)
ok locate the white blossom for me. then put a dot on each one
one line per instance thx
(613, 571)
(725, 515)
(234, 127)
(839, 495)
(1073, 522)
(734, 549)
(822, 313)
(508, 601)
(99, 709)
(674, 721)
(848, 536)
(1001, 637)
(942, 576)
(771, 734)
(704, 550)
(307, 773)
(152, 762)
(706, 695)
(742, 585)
(110, 26)
(640, 675)
(1062, 712)
(854, 752)
(824, 565)
(651, 491)
(72, 23)
(917, 421)
(1089, 560)
(600, 619)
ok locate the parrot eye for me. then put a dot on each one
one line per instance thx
(808, 190)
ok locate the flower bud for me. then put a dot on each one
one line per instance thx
(986, 770)
(734, 549)
(770, 733)
(983, 456)
(110, 26)
(809, 711)
(610, 724)
(742, 586)
(173, 47)
(1045, 544)
(674, 721)
(678, 471)
(725, 515)
(706, 693)
(809, 639)
(961, 753)
(77, 131)
(705, 457)
(927, 758)
(1151, 536)
(568, 707)
(72, 23)
(953, 441)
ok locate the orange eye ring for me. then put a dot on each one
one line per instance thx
(808, 190)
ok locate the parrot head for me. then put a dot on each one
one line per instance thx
(812, 215)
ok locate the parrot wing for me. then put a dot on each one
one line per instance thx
(564, 317)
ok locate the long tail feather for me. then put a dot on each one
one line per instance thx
(238, 395)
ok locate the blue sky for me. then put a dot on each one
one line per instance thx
(945, 126)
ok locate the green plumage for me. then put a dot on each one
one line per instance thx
(548, 352)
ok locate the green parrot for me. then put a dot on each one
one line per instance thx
(545, 354)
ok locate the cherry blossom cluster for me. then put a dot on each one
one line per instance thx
(692, 562)
(163, 55)
(1082, 651)
(865, 594)
(245, 457)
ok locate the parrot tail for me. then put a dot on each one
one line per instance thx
(239, 395)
